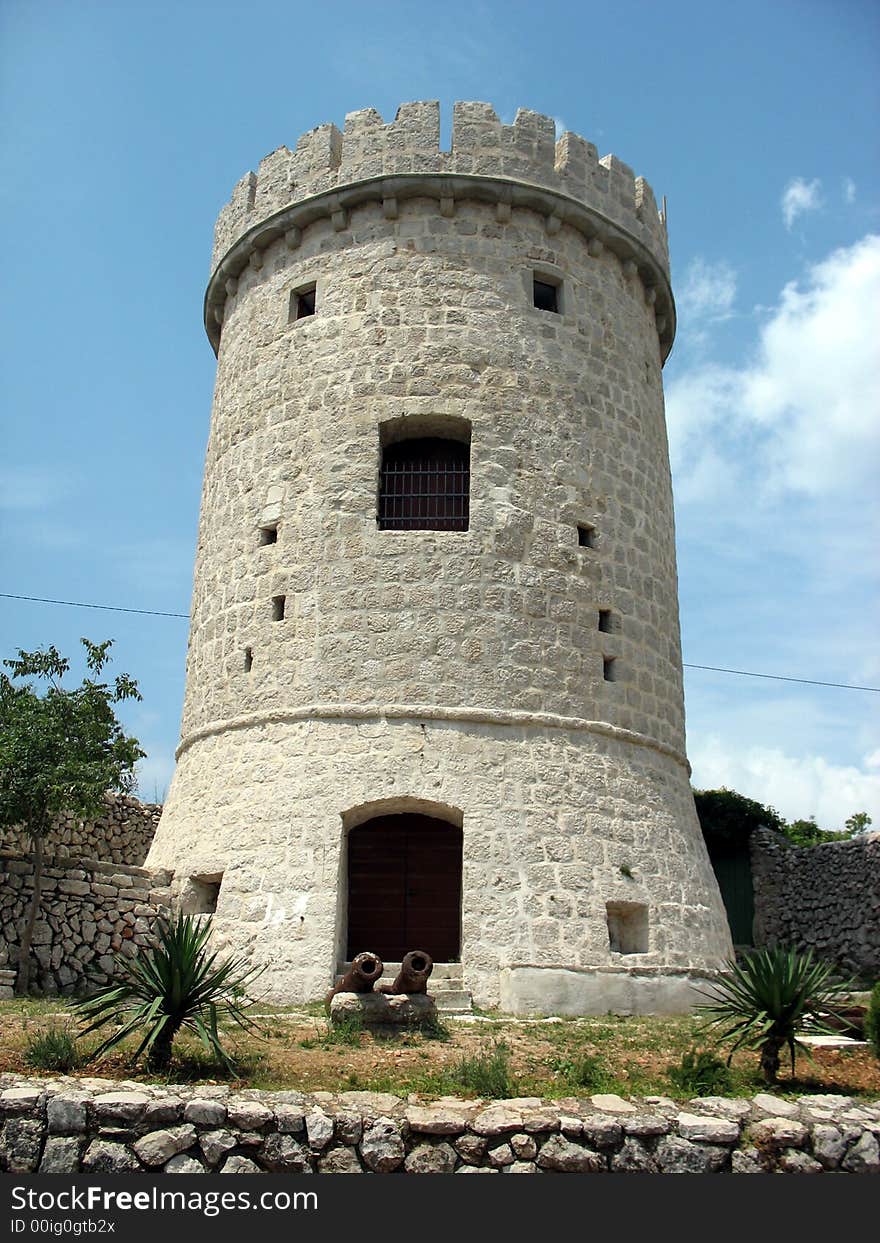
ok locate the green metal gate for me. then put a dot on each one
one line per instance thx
(734, 875)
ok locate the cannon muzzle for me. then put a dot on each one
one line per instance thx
(413, 975)
(363, 973)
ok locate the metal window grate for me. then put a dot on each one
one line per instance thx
(425, 486)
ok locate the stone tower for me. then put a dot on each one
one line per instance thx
(434, 694)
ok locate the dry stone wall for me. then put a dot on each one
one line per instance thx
(122, 834)
(93, 1126)
(825, 898)
(90, 912)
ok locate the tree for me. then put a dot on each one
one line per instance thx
(727, 818)
(60, 751)
(807, 832)
(857, 823)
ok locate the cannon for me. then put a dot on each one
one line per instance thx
(363, 973)
(415, 968)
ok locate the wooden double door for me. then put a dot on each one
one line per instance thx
(404, 888)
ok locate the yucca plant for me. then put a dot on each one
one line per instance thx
(177, 984)
(770, 998)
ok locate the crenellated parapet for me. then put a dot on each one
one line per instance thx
(520, 165)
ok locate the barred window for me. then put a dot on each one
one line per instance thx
(424, 485)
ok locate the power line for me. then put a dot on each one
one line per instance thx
(743, 673)
(778, 677)
(78, 604)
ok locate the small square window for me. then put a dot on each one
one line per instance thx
(269, 534)
(627, 927)
(200, 894)
(586, 536)
(278, 603)
(546, 296)
(605, 620)
(609, 668)
(302, 303)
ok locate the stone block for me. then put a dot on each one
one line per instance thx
(383, 1010)
(158, 1147)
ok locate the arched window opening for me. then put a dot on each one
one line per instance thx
(424, 485)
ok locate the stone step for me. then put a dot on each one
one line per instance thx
(453, 1001)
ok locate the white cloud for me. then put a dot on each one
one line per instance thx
(709, 290)
(849, 190)
(802, 416)
(798, 197)
(798, 786)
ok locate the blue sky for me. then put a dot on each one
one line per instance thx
(123, 128)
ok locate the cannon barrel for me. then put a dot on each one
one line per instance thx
(363, 973)
(413, 975)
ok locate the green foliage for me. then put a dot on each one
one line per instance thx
(583, 1071)
(727, 818)
(347, 1031)
(60, 751)
(626, 870)
(807, 832)
(487, 1073)
(769, 998)
(857, 823)
(53, 1048)
(701, 1073)
(872, 1020)
(178, 984)
(433, 1028)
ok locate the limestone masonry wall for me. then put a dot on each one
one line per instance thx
(89, 912)
(94, 1126)
(325, 159)
(822, 897)
(519, 679)
(122, 834)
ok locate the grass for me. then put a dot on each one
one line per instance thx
(485, 1073)
(347, 1031)
(701, 1073)
(53, 1048)
(635, 1056)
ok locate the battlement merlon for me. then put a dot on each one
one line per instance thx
(333, 170)
(325, 159)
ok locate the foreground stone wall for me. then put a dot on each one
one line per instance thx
(89, 912)
(822, 897)
(95, 1126)
(122, 834)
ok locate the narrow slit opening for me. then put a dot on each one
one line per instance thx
(586, 535)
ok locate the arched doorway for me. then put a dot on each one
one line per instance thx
(404, 887)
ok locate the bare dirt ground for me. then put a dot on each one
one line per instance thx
(491, 1057)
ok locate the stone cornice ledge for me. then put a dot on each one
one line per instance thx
(431, 712)
(556, 206)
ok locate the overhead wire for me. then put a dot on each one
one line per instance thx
(743, 673)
